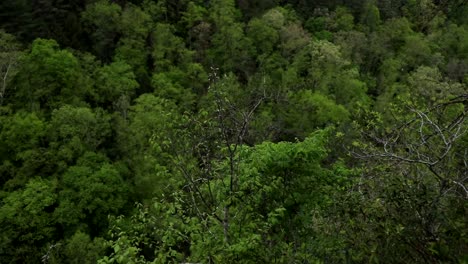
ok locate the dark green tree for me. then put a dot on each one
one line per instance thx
(49, 77)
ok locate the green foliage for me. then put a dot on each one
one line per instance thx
(177, 76)
(371, 15)
(153, 128)
(324, 70)
(324, 25)
(427, 83)
(166, 47)
(308, 111)
(101, 20)
(409, 193)
(26, 220)
(75, 130)
(48, 78)
(258, 131)
(113, 82)
(21, 139)
(135, 27)
(344, 20)
(263, 35)
(230, 49)
(273, 195)
(80, 248)
(92, 189)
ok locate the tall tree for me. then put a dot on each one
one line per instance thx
(10, 53)
(102, 22)
(48, 78)
(230, 49)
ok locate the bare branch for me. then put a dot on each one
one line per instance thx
(463, 187)
(428, 139)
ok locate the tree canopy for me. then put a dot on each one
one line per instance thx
(234, 131)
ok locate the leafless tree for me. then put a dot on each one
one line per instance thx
(9, 61)
(431, 138)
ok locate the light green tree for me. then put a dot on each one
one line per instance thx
(114, 82)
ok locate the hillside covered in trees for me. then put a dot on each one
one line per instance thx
(223, 131)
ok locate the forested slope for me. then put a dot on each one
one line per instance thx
(224, 131)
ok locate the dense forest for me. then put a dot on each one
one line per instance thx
(223, 131)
